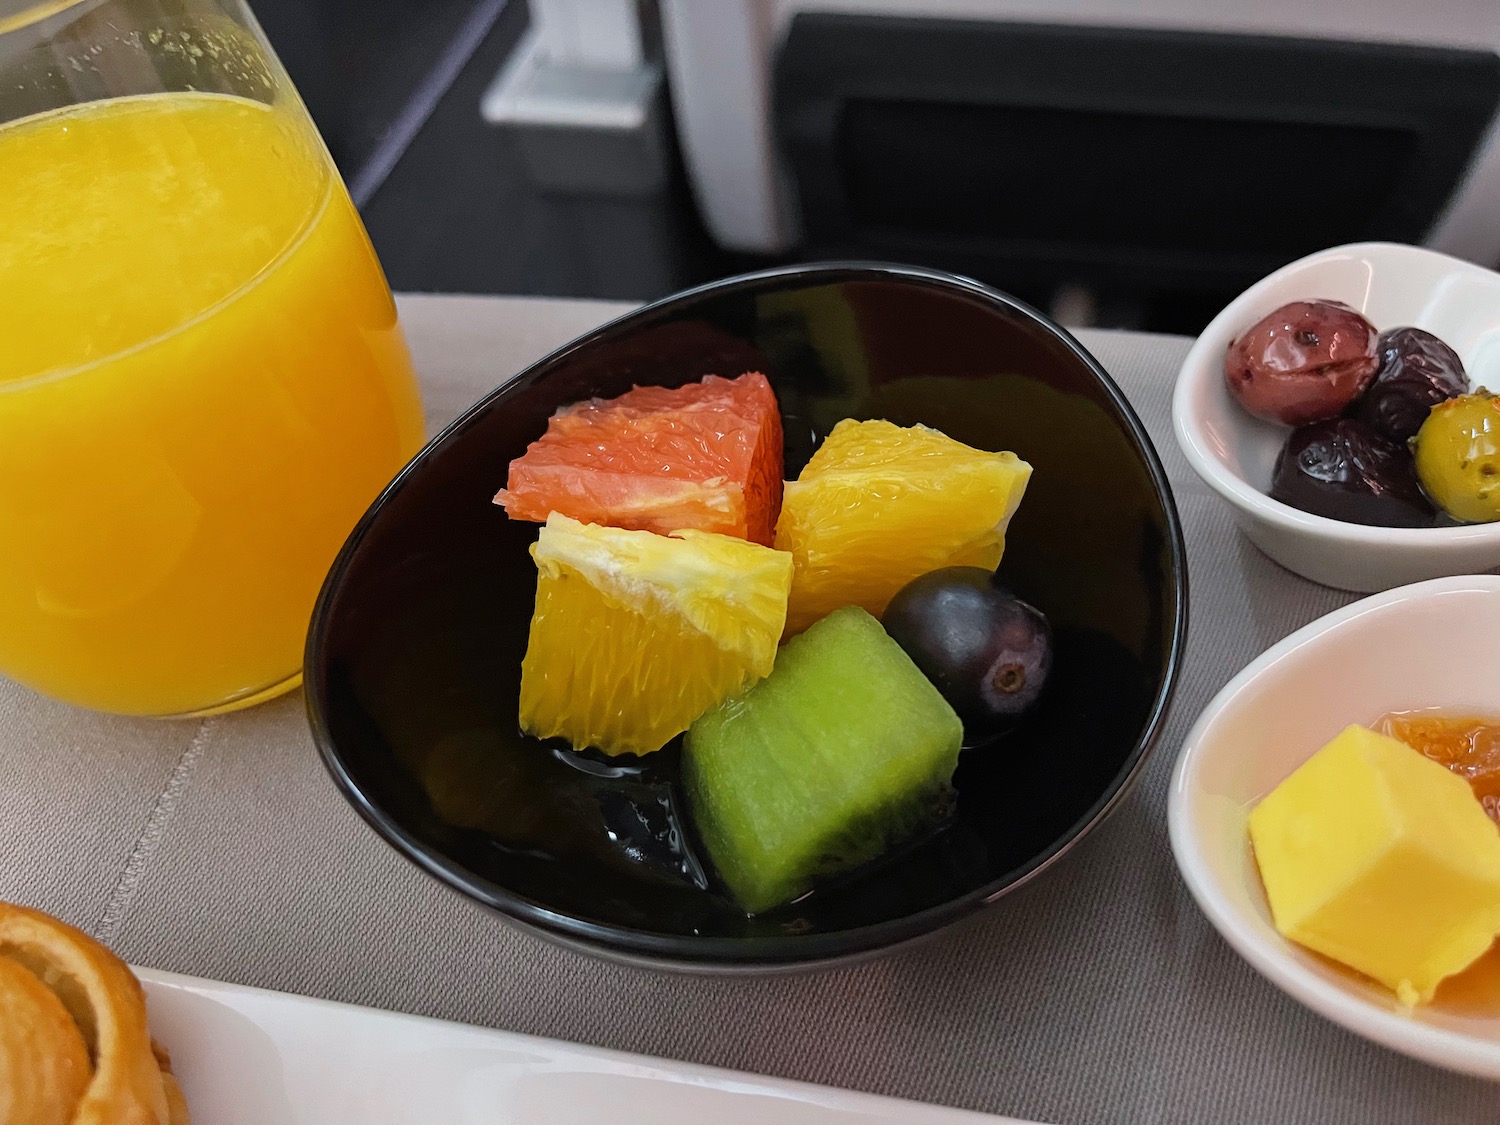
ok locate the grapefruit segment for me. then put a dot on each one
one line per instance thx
(706, 456)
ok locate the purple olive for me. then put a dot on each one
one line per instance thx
(1304, 362)
(983, 648)
(1346, 471)
(1417, 371)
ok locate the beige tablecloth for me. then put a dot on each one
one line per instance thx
(1096, 995)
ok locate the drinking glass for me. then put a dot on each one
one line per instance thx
(202, 379)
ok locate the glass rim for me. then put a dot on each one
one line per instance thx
(16, 14)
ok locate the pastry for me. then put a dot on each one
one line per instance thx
(74, 1047)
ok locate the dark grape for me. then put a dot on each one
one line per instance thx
(1344, 470)
(1304, 362)
(1417, 371)
(985, 650)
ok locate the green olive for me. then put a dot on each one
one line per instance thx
(1457, 453)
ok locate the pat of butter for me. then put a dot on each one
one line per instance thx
(1381, 859)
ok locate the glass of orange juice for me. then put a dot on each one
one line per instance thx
(202, 379)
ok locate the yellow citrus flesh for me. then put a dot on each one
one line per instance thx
(636, 634)
(880, 504)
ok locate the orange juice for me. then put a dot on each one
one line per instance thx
(202, 386)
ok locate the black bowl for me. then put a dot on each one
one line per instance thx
(413, 661)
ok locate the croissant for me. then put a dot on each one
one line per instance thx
(74, 1047)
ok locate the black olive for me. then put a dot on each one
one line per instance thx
(1417, 371)
(1346, 471)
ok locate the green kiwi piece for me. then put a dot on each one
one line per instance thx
(842, 751)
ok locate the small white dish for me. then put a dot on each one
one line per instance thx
(1394, 286)
(1430, 645)
(245, 1056)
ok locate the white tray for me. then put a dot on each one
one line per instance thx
(245, 1056)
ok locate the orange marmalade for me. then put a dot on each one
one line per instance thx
(1468, 746)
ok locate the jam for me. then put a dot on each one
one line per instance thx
(1468, 746)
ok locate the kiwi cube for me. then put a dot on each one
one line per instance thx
(843, 750)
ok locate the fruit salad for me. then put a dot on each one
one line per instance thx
(684, 589)
(1381, 851)
(1386, 433)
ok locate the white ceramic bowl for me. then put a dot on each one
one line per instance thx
(1433, 644)
(1394, 286)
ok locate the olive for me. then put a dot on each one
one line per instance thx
(1344, 470)
(1417, 371)
(987, 651)
(1457, 453)
(1304, 362)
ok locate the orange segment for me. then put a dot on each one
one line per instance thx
(879, 504)
(635, 635)
(705, 456)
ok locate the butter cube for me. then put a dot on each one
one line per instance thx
(1382, 859)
